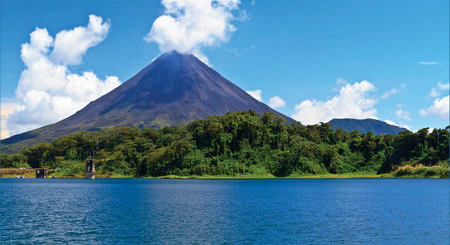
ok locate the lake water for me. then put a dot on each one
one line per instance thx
(131, 211)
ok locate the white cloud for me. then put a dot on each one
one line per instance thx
(48, 91)
(276, 102)
(435, 92)
(71, 45)
(394, 91)
(429, 63)
(188, 25)
(402, 114)
(398, 125)
(352, 101)
(443, 86)
(439, 108)
(6, 109)
(255, 94)
(389, 93)
(243, 16)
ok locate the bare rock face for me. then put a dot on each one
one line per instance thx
(175, 88)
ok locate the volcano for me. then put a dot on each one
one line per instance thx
(175, 88)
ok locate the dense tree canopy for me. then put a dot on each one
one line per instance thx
(238, 143)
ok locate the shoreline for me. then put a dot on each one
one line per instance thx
(239, 177)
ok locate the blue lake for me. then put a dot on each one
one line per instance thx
(131, 211)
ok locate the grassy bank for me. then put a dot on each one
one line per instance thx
(76, 169)
(12, 176)
(420, 171)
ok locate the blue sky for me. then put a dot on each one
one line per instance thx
(314, 55)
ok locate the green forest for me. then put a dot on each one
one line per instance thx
(240, 144)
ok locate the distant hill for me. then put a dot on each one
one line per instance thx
(366, 125)
(175, 88)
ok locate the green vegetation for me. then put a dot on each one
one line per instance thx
(440, 170)
(242, 144)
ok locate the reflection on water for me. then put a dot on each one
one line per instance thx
(224, 211)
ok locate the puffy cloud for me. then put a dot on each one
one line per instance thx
(353, 101)
(276, 102)
(439, 108)
(188, 25)
(48, 91)
(257, 94)
(71, 45)
(402, 114)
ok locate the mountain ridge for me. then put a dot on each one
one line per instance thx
(375, 126)
(175, 88)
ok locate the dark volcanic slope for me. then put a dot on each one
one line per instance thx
(175, 88)
(365, 125)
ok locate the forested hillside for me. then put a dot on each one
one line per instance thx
(242, 143)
